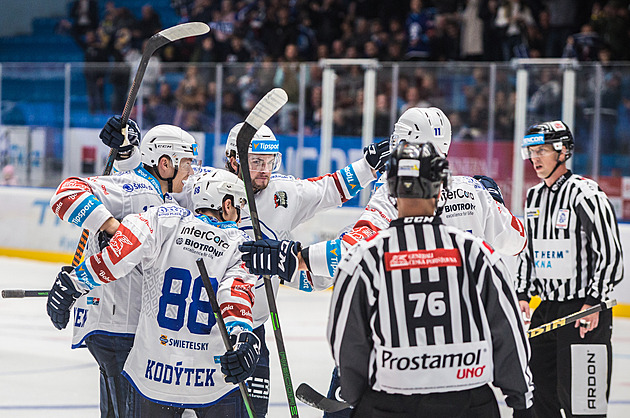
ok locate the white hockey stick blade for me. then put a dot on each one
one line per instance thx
(266, 107)
(185, 30)
(313, 398)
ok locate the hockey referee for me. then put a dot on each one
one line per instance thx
(572, 261)
(423, 315)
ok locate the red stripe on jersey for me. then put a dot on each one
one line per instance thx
(73, 184)
(518, 225)
(242, 290)
(362, 230)
(489, 247)
(122, 243)
(63, 205)
(236, 310)
(337, 184)
(100, 269)
(405, 260)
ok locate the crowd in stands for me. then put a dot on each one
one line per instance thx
(272, 37)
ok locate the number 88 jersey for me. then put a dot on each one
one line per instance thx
(174, 359)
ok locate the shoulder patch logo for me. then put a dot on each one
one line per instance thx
(280, 199)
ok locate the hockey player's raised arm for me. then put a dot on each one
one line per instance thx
(74, 201)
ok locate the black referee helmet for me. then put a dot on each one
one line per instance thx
(556, 133)
(417, 171)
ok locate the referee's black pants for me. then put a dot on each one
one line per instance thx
(564, 382)
(472, 403)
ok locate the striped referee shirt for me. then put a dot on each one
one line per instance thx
(574, 249)
(421, 308)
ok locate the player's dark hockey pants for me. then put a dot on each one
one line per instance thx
(559, 379)
(117, 395)
(473, 403)
(230, 406)
(258, 384)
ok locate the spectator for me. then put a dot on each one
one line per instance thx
(148, 25)
(584, 45)
(120, 71)
(236, 51)
(471, 36)
(546, 102)
(513, 17)
(491, 33)
(84, 18)
(8, 176)
(287, 77)
(419, 23)
(276, 35)
(94, 72)
(562, 23)
(190, 94)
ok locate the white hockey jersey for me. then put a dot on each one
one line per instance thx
(175, 356)
(287, 202)
(467, 206)
(87, 203)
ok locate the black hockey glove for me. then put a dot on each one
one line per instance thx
(112, 136)
(239, 364)
(523, 413)
(271, 257)
(376, 155)
(103, 239)
(61, 298)
(492, 187)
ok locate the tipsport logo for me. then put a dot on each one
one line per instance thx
(265, 146)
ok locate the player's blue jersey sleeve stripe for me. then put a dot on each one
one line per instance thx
(84, 276)
(351, 180)
(230, 325)
(333, 253)
(81, 212)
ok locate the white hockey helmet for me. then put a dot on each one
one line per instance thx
(167, 140)
(419, 125)
(263, 142)
(210, 189)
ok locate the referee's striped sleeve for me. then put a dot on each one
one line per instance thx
(511, 350)
(600, 226)
(349, 332)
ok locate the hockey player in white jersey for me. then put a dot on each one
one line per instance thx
(106, 320)
(283, 203)
(174, 359)
(467, 205)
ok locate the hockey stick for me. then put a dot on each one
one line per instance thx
(264, 109)
(311, 397)
(21, 293)
(155, 42)
(569, 319)
(216, 310)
